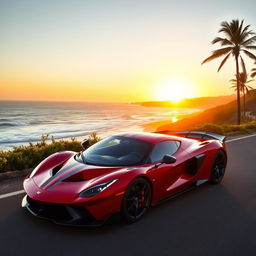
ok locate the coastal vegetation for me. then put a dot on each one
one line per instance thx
(24, 157)
(229, 129)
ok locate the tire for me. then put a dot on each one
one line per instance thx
(136, 201)
(218, 168)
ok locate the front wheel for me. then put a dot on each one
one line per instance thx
(219, 167)
(136, 201)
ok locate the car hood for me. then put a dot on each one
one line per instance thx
(64, 182)
(71, 171)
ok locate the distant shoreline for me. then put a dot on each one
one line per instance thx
(197, 102)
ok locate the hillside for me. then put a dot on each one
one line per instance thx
(201, 103)
(224, 114)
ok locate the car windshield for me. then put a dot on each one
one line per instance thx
(117, 151)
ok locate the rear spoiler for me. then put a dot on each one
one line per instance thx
(196, 135)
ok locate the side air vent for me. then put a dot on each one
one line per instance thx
(194, 164)
(56, 169)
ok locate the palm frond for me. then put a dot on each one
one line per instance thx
(242, 79)
(233, 86)
(223, 62)
(222, 41)
(253, 74)
(225, 28)
(244, 34)
(253, 47)
(239, 34)
(218, 53)
(249, 41)
(241, 26)
(245, 29)
(249, 54)
(248, 88)
(235, 30)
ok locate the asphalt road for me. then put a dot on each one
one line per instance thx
(209, 220)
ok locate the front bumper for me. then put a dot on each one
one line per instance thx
(62, 214)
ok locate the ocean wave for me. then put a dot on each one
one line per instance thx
(26, 121)
(6, 124)
(38, 138)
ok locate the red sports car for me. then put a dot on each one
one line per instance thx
(126, 173)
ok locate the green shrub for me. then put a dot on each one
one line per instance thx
(24, 157)
(229, 129)
(93, 138)
(210, 128)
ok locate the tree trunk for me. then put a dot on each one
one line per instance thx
(238, 92)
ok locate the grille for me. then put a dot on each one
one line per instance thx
(60, 213)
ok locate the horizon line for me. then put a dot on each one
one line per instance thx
(105, 102)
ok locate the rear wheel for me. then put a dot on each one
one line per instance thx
(136, 201)
(219, 167)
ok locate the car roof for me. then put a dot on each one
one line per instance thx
(153, 138)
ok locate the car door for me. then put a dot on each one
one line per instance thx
(164, 174)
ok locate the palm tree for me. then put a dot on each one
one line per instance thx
(243, 85)
(238, 39)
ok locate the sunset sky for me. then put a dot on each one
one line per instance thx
(120, 51)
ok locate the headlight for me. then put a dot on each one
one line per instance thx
(96, 189)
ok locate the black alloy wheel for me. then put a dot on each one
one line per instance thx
(219, 167)
(137, 200)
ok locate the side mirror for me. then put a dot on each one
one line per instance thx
(168, 159)
(85, 144)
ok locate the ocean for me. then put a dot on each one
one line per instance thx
(22, 122)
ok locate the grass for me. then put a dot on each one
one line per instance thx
(229, 129)
(24, 157)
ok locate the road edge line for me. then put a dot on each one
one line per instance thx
(241, 138)
(12, 194)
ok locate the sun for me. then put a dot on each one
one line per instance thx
(174, 89)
